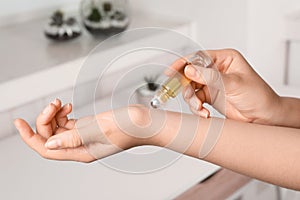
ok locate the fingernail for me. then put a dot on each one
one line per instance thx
(194, 102)
(16, 124)
(191, 71)
(188, 93)
(53, 144)
(46, 110)
(203, 113)
(55, 101)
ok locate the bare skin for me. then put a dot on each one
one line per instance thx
(246, 148)
(247, 96)
(269, 153)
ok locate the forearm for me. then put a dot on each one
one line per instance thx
(289, 113)
(267, 153)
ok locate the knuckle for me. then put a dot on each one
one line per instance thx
(234, 52)
(212, 76)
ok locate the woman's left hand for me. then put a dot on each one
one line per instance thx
(84, 140)
(53, 121)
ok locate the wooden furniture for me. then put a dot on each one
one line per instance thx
(220, 185)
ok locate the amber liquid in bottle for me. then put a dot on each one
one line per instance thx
(172, 86)
(169, 89)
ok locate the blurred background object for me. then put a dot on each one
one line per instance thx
(104, 17)
(146, 91)
(61, 28)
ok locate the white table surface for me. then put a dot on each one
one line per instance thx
(25, 175)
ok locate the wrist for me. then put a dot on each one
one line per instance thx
(269, 111)
(183, 133)
(287, 113)
(127, 127)
(279, 112)
(275, 111)
(151, 126)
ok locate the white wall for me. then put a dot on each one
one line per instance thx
(265, 36)
(13, 7)
(220, 24)
(254, 27)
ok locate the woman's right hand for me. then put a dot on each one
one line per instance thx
(231, 86)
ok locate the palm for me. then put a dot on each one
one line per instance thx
(52, 123)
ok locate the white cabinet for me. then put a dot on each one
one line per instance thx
(293, 64)
(292, 55)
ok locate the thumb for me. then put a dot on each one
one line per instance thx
(205, 76)
(66, 139)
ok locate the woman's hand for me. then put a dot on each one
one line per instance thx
(51, 122)
(84, 140)
(231, 86)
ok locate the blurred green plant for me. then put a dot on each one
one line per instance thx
(95, 15)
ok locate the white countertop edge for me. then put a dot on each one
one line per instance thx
(40, 80)
(35, 86)
(36, 82)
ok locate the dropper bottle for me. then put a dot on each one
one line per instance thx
(173, 85)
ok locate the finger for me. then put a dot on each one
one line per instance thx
(67, 139)
(60, 130)
(202, 113)
(196, 85)
(205, 76)
(196, 106)
(70, 124)
(195, 102)
(57, 103)
(175, 67)
(34, 141)
(212, 96)
(61, 116)
(24, 129)
(188, 92)
(80, 154)
(213, 54)
(37, 143)
(54, 126)
(200, 58)
(190, 89)
(203, 94)
(223, 58)
(44, 122)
